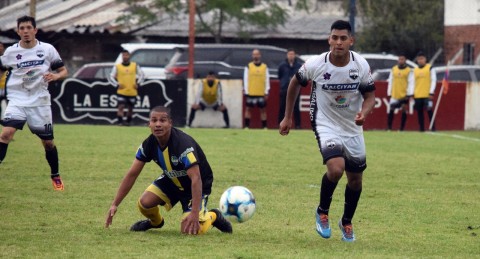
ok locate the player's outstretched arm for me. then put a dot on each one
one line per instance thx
(292, 93)
(124, 189)
(190, 224)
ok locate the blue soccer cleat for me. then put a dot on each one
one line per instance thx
(347, 232)
(323, 226)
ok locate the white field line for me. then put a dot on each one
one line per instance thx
(455, 136)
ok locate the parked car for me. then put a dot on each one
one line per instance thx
(469, 73)
(227, 60)
(381, 74)
(94, 71)
(383, 61)
(152, 57)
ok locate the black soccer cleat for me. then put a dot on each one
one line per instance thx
(144, 225)
(221, 223)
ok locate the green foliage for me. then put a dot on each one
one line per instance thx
(420, 197)
(220, 11)
(400, 26)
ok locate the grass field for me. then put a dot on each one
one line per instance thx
(421, 197)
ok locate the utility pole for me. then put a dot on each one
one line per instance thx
(352, 15)
(191, 37)
(33, 7)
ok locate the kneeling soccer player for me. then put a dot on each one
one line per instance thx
(186, 178)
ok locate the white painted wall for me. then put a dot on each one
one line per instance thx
(462, 12)
(232, 98)
(472, 109)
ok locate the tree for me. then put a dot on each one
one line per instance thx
(212, 14)
(406, 26)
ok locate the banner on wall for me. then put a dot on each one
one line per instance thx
(95, 102)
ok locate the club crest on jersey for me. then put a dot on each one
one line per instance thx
(19, 57)
(40, 53)
(174, 160)
(330, 143)
(353, 73)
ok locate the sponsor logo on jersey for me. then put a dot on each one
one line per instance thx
(340, 87)
(32, 63)
(340, 99)
(353, 74)
(175, 173)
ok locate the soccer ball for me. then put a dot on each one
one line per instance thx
(237, 203)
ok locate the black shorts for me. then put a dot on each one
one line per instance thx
(127, 100)
(214, 107)
(258, 101)
(423, 104)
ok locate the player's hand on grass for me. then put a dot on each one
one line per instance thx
(111, 213)
(190, 224)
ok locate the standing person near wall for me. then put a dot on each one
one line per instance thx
(286, 70)
(209, 94)
(422, 89)
(256, 85)
(32, 65)
(127, 77)
(343, 95)
(399, 81)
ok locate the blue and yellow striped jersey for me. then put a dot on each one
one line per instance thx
(181, 153)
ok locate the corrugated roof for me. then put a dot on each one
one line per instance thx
(89, 16)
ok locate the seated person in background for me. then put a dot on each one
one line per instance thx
(209, 95)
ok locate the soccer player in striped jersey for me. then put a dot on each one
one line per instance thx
(186, 178)
(32, 65)
(341, 98)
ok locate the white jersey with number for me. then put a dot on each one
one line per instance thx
(336, 96)
(25, 85)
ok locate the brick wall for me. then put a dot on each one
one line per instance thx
(456, 36)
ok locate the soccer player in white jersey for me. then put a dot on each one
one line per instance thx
(32, 65)
(342, 96)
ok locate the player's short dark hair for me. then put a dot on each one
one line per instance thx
(125, 51)
(211, 73)
(290, 49)
(421, 54)
(160, 108)
(341, 25)
(26, 18)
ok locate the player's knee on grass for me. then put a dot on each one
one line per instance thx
(153, 213)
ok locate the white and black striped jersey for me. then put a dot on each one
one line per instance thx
(25, 85)
(336, 95)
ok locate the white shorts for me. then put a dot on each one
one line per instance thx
(352, 149)
(38, 118)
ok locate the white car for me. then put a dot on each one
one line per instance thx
(377, 61)
(383, 61)
(466, 73)
(152, 57)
